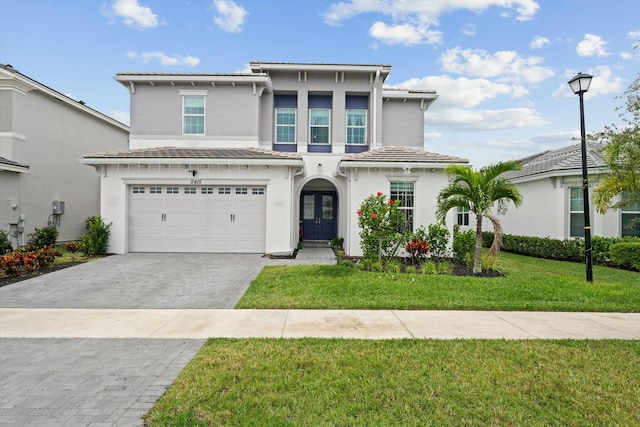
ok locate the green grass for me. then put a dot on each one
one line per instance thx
(319, 382)
(531, 284)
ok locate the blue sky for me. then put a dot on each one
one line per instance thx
(500, 66)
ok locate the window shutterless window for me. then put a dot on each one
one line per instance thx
(356, 127)
(286, 125)
(576, 209)
(404, 192)
(193, 115)
(630, 217)
(319, 125)
(463, 216)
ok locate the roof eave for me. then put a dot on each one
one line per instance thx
(98, 161)
(350, 164)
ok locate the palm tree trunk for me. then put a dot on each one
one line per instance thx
(477, 254)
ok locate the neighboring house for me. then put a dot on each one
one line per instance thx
(43, 133)
(255, 162)
(551, 185)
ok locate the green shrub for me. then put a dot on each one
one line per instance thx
(429, 267)
(445, 267)
(43, 237)
(376, 267)
(563, 250)
(392, 266)
(337, 243)
(488, 262)
(346, 262)
(626, 254)
(96, 240)
(20, 261)
(464, 245)
(5, 245)
(438, 239)
(410, 269)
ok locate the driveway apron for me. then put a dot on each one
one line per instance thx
(100, 382)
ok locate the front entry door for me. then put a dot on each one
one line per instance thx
(319, 215)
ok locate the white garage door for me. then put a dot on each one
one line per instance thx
(165, 218)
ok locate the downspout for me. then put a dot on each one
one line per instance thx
(374, 139)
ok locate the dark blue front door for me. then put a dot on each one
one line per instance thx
(318, 213)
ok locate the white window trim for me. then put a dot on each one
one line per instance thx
(366, 132)
(295, 127)
(202, 93)
(415, 193)
(569, 212)
(328, 143)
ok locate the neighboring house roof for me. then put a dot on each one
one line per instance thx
(11, 77)
(198, 155)
(563, 161)
(397, 156)
(11, 166)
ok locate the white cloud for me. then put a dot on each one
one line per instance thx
(603, 83)
(470, 30)
(146, 57)
(482, 120)
(413, 18)
(133, 14)
(538, 42)
(459, 92)
(506, 65)
(634, 35)
(121, 116)
(626, 55)
(592, 45)
(403, 34)
(230, 16)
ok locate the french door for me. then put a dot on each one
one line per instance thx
(318, 213)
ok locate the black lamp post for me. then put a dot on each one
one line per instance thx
(579, 85)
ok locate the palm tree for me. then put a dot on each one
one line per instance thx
(477, 191)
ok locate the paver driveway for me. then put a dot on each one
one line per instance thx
(105, 382)
(140, 281)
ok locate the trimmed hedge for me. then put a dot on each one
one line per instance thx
(563, 250)
(626, 254)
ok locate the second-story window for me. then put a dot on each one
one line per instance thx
(320, 119)
(319, 125)
(286, 114)
(193, 115)
(357, 109)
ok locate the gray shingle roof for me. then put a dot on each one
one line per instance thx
(402, 155)
(195, 153)
(561, 160)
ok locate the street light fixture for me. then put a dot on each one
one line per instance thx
(579, 85)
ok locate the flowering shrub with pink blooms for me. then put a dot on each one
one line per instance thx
(381, 224)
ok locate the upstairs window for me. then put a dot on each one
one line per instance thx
(320, 119)
(193, 115)
(286, 114)
(357, 119)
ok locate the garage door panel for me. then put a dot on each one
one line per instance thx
(197, 219)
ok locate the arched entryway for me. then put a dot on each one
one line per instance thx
(318, 211)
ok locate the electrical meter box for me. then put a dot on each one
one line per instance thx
(58, 207)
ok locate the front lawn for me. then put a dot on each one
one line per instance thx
(315, 382)
(531, 284)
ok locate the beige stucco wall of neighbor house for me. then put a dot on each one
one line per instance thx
(49, 135)
(278, 180)
(230, 116)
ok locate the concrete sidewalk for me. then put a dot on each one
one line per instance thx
(361, 324)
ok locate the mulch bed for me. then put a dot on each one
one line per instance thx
(7, 280)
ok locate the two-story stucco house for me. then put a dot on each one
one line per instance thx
(42, 135)
(255, 162)
(551, 185)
